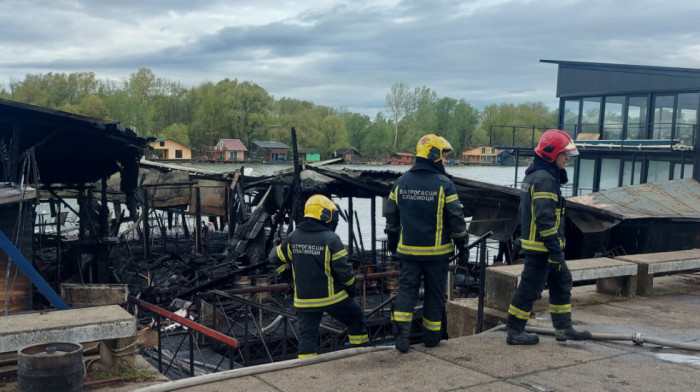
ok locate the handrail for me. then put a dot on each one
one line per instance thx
(216, 335)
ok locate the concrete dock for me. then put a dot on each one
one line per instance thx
(484, 362)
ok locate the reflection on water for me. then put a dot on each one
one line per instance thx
(499, 175)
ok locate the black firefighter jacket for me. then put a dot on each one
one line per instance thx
(424, 206)
(319, 264)
(542, 212)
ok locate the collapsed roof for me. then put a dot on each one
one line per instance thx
(67, 148)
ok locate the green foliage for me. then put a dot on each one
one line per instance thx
(509, 124)
(177, 132)
(126, 373)
(199, 116)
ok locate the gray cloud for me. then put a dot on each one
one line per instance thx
(348, 53)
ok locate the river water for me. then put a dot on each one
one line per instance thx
(499, 175)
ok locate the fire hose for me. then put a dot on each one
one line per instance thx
(638, 338)
(247, 371)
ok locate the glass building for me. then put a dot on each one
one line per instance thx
(633, 124)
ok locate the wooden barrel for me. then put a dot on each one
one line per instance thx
(54, 367)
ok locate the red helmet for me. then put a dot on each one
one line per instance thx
(554, 141)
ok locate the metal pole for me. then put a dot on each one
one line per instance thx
(350, 228)
(198, 214)
(189, 333)
(517, 161)
(373, 211)
(482, 278)
(146, 226)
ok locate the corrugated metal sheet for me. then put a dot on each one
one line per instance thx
(672, 199)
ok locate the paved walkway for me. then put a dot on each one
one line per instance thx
(485, 362)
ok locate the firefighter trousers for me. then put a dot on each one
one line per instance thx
(433, 274)
(346, 311)
(539, 269)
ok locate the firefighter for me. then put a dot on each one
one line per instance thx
(322, 275)
(424, 223)
(542, 242)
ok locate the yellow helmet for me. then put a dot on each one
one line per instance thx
(432, 146)
(321, 208)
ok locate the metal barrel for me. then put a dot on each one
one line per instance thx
(54, 366)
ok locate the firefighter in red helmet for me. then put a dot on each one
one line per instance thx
(542, 242)
(323, 277)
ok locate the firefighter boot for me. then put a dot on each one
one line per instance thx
(517, 338)
(403, 340)
(564, 334)
(516, 335)
(563, 330)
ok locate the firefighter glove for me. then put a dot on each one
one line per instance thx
(392, 240)
(351, 289)
(557, 258)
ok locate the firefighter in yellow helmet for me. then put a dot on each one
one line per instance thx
(323, 277)
(542, 242)
(424, 223)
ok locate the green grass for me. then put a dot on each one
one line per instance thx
(128, 374)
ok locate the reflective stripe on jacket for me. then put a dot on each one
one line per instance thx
(541, 213)
(424, 206)
(320, 265)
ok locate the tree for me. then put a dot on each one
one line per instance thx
(464, 121)
(141, 87)
(332, 136)
(420, 118)
(32, 90)
(177, 132)
(396, 105)
(90, 105)
(357, 127)
(378, 139)
(251, 106)
(508, 124)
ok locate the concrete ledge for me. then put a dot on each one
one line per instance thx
(663, 262)
(77, 295)
(462, 314)
(611, 276)
(74, 325)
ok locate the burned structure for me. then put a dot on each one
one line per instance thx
(48, 151)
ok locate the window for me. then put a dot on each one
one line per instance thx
(612, 118)
(663, 117)
(483, 150)
(585, 176)
(178, 154)
(570, 118)
(686, 117)
(629, 177)
(687, 170)
(162, 144)
(636, 118)
(658, 171)
(590, 117)
(609, 173)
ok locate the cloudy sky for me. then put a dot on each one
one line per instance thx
(347, 54)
